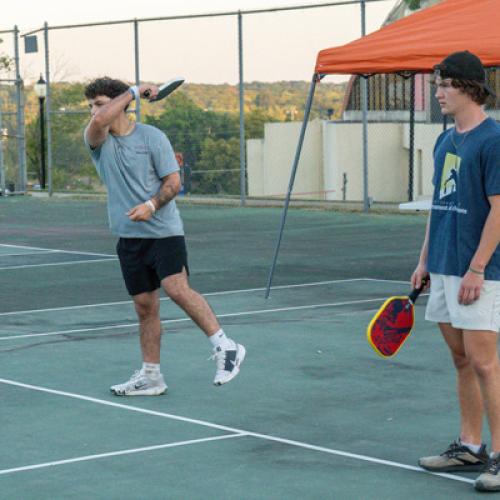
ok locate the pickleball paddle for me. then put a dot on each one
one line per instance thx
(392, 324)
(165, 89)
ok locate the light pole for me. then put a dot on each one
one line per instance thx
(41, 92)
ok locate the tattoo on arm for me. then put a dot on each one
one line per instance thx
(167, 192)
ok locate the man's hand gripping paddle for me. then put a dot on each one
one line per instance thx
(165, 89)
(392, 325)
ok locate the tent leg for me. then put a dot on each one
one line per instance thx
(411, 166)
(292, 180)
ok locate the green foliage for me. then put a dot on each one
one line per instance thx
(33, 153)
(255, 121)
(218, 155)
(279, 99)
(413, 4)
(201, 121)
(6, 62)
(72, 168)
(187, 126)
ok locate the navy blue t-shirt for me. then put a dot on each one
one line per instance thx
(466, 172)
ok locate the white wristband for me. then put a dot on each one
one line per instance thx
(151, 205)
(134, 90)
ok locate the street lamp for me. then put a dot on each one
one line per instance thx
(41, 92)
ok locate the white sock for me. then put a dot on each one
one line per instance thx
(472, 447)
(219, 339)
(151, 369)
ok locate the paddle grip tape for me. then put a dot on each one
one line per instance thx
(416, 292)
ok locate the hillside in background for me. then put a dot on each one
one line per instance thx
(281, 101)
(201, 121)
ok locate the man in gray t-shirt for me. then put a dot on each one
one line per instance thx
(138, 166)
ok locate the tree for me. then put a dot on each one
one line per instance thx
(187, 126)
(413, 4)
(221, 156)
(71, 165)
(254, 123)
(6, 62)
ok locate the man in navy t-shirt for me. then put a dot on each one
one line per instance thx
(462, 257)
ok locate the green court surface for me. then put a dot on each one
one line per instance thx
(314, 413)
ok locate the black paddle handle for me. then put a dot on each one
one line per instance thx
(416, 291)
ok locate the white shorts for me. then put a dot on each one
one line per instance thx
(443, 306)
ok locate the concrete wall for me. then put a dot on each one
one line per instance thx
(387, 161)
(425, 138)
(332, 149)
(269, 161)
(255, 166)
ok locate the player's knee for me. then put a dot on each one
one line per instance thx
(485, 369)
(146, 310)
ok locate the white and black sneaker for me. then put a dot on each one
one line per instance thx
(140, 384)
(228, 362)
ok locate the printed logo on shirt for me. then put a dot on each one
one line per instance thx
(141, 150)
(449, 177)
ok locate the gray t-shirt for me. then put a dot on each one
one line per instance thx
(132, 167)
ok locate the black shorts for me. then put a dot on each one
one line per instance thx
(145, 262)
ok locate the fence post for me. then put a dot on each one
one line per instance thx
(21, 135)
(137, 69)
(242, 113)
(2, 165)
(48, 103)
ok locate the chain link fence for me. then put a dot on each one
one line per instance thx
(12, 146)
(203, 122)
(231, 139)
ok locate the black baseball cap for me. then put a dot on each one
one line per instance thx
(463, 66)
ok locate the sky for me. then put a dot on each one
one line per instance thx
(276, 46)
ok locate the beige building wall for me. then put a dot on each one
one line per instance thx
(255, 166)
(333, 153)
(269, 161)
(387, 162)
(425, 138)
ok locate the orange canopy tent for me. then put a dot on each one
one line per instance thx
(418, 42)
(414, 44)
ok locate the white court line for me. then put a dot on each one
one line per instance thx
(180, 320)
(118, 453)
(226, 292)
(57, 250)
(88, 261)
(266, 437)
(404, 282)
(39, 252)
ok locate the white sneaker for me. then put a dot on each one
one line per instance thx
(228, 363)
(140, 385)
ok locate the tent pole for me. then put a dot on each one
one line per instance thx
(411, 167)
(364, 107)
(292, 179)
